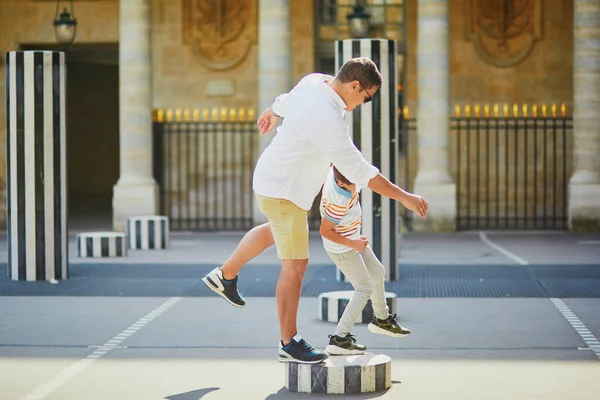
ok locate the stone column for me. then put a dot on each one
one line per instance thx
(136, 192)
(274, 62)
(433, 180)
(584, 187)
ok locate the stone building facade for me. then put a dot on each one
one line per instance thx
(133, 56)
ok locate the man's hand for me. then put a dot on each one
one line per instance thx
(417, 204)
(360, 244)
(267, 121)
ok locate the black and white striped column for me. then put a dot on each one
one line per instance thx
(148, 232)
(374, 130)
(365, 373)
(101, 244)
(36, 165)
(333, 304)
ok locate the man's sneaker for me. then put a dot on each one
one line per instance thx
(226, 288)
(388, 326)
(344, 345)
(297, 350)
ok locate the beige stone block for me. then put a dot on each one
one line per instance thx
(174, 61)
(133, 197)
(584, 207)
(441, 216)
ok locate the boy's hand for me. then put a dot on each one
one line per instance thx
(360, 244)
(267, 121)
(416, 204)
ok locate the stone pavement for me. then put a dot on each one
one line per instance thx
(485, 323)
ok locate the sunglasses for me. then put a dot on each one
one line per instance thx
(369, 97)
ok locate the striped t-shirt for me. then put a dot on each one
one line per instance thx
(341, 207)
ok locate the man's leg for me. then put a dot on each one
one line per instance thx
(223, 280)
(288, 297)
(254, 242)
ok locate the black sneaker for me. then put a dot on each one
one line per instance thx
(388, 326)
(297, 350)
(226, 288)
(344, 345)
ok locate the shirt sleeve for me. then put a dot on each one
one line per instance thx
(329, 134)
(282, 101)
(334, 212)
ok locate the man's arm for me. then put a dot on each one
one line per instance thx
(380, 184)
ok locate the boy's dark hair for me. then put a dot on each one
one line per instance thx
(360, 69)
(339, 177)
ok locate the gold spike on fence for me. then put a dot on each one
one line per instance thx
(214, 114)
(487, 110)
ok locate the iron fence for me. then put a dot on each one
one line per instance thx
(512, 169)
(203, 166)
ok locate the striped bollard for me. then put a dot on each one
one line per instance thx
(101, 244)
(332, 306)
(36, 165)
(148, 232)
(365, 373)
(374, 130)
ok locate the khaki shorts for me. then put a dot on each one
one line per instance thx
(289, 224)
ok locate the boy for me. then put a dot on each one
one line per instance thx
(340, 228)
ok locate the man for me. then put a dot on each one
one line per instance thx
(288, 177)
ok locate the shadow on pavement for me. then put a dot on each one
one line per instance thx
(283, 393)
(193, 395)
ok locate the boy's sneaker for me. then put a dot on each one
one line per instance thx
(224, 287)
(344, 345)
(297, 350)
(388, 326)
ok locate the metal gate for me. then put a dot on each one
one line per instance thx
(203, 165)
(512, 169)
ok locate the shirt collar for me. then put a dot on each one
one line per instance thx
(336, 98)
(341, 190)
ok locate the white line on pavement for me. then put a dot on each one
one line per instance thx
(502, 250)
(57, 381)
(579, 326)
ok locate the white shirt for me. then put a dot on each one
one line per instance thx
(313, 135)
(341, 207)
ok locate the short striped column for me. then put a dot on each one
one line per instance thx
(333, 304)
(148, 232)
(374, 130)
(36, 182)
(101, 244)
(365, 373)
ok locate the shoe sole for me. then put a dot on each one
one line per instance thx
(217, 291)
(289, 359)
(379, 331)
(340, 351)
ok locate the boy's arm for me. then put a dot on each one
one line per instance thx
(380, 184)
(327, 230)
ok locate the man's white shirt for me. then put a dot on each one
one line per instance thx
(313, 135)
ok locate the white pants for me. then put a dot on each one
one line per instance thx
(367, 275)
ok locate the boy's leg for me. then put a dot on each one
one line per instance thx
(254, 242)
(383, 322)
(376, 273)
(353, 266)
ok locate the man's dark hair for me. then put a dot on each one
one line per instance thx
(360, 69)
(339, 177)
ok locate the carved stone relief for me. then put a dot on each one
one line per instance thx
(221, 31)
(504, 31)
